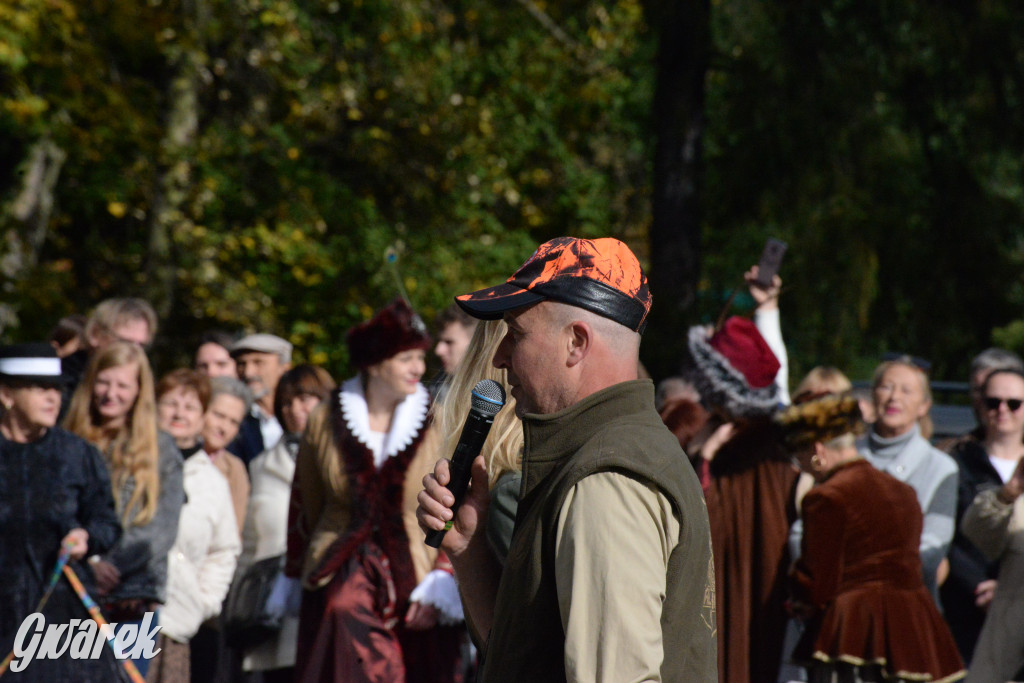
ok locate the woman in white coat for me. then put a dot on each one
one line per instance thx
(202, 560)
(265, 532)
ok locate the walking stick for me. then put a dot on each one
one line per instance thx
(97, 616)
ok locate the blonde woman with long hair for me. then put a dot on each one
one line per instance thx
(504, 446)
(114, 408)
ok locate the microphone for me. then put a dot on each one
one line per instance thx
(487, 399)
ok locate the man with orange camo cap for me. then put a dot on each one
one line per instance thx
(609, 576)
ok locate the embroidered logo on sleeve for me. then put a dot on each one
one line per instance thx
(708, 610)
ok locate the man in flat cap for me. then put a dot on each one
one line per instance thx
(609, 576)
(260, 359)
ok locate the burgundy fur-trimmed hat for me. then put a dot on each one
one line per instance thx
(393, 329)
(734, 369)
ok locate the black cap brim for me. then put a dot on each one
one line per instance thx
(493, 302)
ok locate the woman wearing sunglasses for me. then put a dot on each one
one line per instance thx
(987, 459)
(1004, 420)
(902, 397)
(995, 523)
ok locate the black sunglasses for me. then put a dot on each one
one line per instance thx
(1013, 404)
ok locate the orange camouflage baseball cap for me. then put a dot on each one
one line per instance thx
(602, 276)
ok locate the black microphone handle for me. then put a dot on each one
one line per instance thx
(471, 441)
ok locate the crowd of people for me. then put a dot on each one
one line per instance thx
(270, 519)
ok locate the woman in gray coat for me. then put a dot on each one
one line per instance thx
(114, 408)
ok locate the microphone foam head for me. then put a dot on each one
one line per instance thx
(488, 397)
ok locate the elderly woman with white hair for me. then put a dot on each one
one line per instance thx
(902, 397)
(202, 560)
(54, 493)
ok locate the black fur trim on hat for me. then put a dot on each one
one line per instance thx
(723, 386)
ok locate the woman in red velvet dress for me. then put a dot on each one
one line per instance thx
(858, 580)
(378, 605)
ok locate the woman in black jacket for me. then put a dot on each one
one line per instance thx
(54, 492)
(986, 459)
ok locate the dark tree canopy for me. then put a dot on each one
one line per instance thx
(249, 163)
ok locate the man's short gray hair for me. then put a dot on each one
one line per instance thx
(619, 338)
(112, 313)
(996, 359)
(231, 387)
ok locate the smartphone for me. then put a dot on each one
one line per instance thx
(771, 259)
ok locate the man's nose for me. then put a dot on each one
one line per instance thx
(500, 357)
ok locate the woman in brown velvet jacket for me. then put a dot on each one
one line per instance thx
(858, 580)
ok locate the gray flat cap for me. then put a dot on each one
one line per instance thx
(263, 343)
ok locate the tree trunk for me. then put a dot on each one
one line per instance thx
(173, 184)
(34, 204)
(31, 211)
(684, 44)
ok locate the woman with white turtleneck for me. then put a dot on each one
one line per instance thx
(894, 445)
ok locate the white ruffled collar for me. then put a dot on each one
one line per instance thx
(407, 422)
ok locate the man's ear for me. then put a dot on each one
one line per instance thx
(579, 342)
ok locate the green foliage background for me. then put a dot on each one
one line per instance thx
(246, 164)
